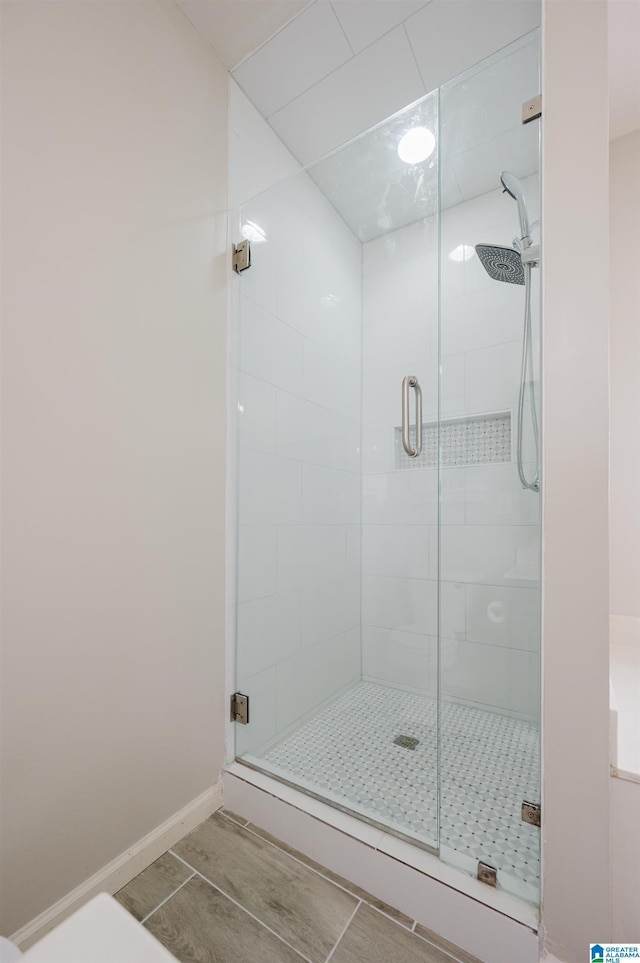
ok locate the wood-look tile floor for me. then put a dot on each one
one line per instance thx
(230, 893)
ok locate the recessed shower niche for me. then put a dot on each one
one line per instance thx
(478, 440)
(388, 577)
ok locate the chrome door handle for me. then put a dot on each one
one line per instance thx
(410, 381)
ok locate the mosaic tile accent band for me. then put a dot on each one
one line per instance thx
(484, 440)
(350, 754)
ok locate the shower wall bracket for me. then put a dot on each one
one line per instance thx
(487, 874)
(531, 813)
(532, 109)
(240, 708)
(241, 257)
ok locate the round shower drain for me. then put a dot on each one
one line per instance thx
(407, 742)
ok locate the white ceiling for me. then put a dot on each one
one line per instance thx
(371, 188)
(340, 67)
(236, 28)
(480, 134)
(326, 71)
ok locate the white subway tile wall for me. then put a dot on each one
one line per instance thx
(338, 550)
(489, 537)
(299, 498)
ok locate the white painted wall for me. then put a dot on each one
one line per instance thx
(625, 859)
(298, 403)
(114, 313)
(624, 344)
(624, 529)
(575, 804)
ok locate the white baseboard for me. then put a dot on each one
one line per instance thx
(123, 868)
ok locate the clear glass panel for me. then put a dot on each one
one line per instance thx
(388, 604)
(489, 555)
(337, 591)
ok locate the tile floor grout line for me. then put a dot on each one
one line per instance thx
(349, 921)
(221, 812)
(397, 922)
(360, 902)
(327, 878)
(240, 906)
(296, 859)
(166, 900)
(424, 939)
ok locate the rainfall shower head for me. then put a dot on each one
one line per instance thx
(506, 263)
(514, 188)
(501, 263)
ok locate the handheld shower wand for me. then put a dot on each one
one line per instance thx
(514, 188)
(514, 265)
(528, 251)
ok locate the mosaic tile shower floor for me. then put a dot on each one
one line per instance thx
(489, 766)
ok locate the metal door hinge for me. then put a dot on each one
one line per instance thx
(487, 874)
(531, 813)
(241, 257)
(532, 109)
(240, 708)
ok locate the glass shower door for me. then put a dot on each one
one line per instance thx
(489, 555)
(337, 592)
(388, 616)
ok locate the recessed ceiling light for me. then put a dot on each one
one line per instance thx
(416, 145)
(461, 253)
(253, 232)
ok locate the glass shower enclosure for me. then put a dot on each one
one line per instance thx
(388, 592)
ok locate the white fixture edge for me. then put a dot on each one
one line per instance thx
(101, 931)
(124, 867)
